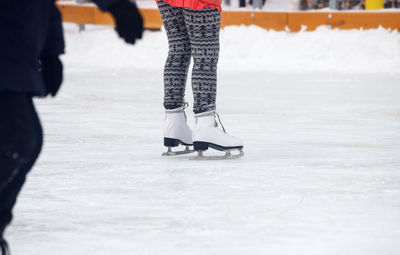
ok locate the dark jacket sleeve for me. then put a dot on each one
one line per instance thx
(104, 5)
(54, 44)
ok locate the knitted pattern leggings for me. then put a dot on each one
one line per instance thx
(191, 33)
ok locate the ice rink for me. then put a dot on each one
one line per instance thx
(319, 113)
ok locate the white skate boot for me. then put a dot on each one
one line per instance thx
(207, 134)
(176, 132)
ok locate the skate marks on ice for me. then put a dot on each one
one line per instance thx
(307, 178)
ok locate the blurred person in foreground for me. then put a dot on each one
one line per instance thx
(31, 40)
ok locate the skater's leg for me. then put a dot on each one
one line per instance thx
(177, 64)
(20, 145)
(203, 27)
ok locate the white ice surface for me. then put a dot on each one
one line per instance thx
(320, 116)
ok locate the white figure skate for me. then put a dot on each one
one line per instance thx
(177, 132)
(207, 134)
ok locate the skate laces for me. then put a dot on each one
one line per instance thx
(185, 105)
(216, 116)
(220, 122)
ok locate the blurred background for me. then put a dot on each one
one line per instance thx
(302, 4)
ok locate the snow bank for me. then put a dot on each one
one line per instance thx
(324, 50)
(248, 49)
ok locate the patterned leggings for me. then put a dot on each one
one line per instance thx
(191, 33)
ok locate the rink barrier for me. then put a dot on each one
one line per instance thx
(344, 20)
(87, 14)
(279, 21)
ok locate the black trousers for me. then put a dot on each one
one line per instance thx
(21, 140)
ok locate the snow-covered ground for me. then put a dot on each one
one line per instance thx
(320, 116)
